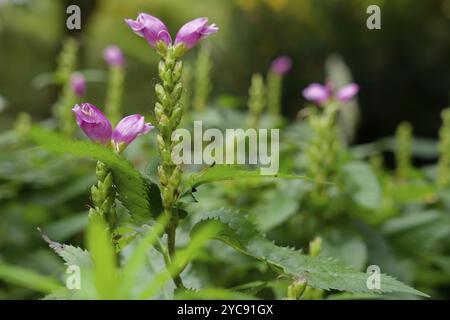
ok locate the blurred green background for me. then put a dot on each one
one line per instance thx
(403, 69)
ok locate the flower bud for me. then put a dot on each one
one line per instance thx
(129, 128)
(113, 56)
(93, 122)
(150, 28)
(78, 84)
(281, 65)
(193, 31)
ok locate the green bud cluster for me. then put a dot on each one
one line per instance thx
(113, 105)
(443, 171)
(103, 196)
(66, 65)
(257, 100)
(274, 85)
(403, 136)
(186, 79)
(168, 113)
(203, 84)
(324, 148)
(22, 124)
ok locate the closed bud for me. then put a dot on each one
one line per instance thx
(177, 91)
(160, 93)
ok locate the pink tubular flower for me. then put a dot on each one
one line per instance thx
(347, 93)
(113, 56)
(151, 28)
(281, 65)
(193, 31)
(78, 84)
(93, 122)
(317, 93)
(129, 128)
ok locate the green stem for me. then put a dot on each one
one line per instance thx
(62, 109)
(256, 101)
(171, 237)
(274, 83)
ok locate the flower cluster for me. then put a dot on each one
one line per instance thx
(320, 94)
(155, 31)
(97, 127)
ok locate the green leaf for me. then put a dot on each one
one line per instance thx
(346, 247)
(362, 184)
(70, 254)
(413, 191)
(103, 256)
(139, 254)
(137, 193)
(418, 231)
(182, 258)
(284, 200)
(238, 232)
(26, 278)
(218, 173)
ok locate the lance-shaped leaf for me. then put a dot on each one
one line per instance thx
(218, 173)
(136, 192)
(238, 232)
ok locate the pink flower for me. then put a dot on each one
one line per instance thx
(193, 31)
(347, 93)
(113, 56)
(129, 128)
(93, 122)
(95, 125)
(281, 65)
(319, 93)
(151, 28)
(78, 84)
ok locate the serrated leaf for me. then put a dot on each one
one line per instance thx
(137, 193)
(70, 254)
(218, 173)
(238, 232)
